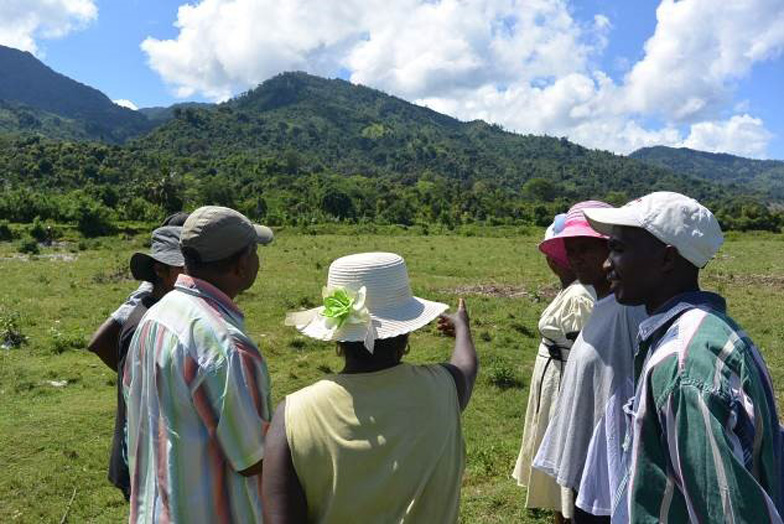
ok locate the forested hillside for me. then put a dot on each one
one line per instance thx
(333, 125)
(27, 82)
(763, 176)
(302, 149)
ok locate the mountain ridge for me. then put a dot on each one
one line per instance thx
(762, 176)
(29, 82)
(300, 149)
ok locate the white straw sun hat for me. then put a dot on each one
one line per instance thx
(367, 297)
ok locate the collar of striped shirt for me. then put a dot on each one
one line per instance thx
(202, 288)
(677, 305)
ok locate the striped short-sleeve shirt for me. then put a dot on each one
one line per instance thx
(706, 442)
(198, 396)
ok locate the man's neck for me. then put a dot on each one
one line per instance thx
(602, 289)
(222, 284)
(653, 305)
(158, 291)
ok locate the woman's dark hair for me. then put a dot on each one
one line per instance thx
(383, 348)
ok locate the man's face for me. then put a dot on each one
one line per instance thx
(250, 264)
(586, 255)
(167, 275)
(634, 265)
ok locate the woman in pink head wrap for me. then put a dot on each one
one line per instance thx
(581, 446)
(559, 325)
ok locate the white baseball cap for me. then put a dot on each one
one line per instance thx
(675, 219)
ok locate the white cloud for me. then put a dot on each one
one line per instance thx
(450, 46)
(529, 65)
(122, 102)
(742, 135)
(409, 47)
(23, 22)
(699, 49)
(225, 46)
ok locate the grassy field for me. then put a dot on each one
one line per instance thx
(55, 436)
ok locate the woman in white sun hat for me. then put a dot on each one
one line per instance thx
(381, 440)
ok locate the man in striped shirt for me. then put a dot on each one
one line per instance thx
(704, 442)
(196, 386)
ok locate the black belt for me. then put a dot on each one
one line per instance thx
(554, 350)
(555, 353)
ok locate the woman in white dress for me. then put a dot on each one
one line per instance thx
(559, 325)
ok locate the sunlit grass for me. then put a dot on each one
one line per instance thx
(54, 439)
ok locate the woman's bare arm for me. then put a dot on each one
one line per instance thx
(464, 364)
(283, 499)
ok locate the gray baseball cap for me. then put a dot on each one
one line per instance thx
(165, 248)
(216, 233)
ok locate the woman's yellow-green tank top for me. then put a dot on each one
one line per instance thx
(379, 447)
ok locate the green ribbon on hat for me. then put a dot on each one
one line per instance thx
(342, 305)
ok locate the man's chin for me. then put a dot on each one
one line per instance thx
(623, 299)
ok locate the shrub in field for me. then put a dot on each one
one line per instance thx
(29, 246)
(43, 231)
(63, 341)
(38, 230)
(503, 376)
(5, 231)
(93, 220)
(11, 335)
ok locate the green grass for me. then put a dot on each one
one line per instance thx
(55, 439)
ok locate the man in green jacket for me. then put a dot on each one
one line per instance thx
(703, 442)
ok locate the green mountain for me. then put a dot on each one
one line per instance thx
(742, 174)
(159, 115)
(36, 90)
(21, 119)
(333, 125)
(300, 149)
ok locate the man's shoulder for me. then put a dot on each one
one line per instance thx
(577, 291)
(134, 318)
(610, 329)
(691, 349)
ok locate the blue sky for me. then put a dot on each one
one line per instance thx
(614, 75)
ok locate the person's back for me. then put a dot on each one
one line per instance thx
(188, 445)
(196, 387)
(379, 447)
(381, 440)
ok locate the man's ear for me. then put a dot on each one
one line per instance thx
(670, 259)
(160, 270)
(241, 265)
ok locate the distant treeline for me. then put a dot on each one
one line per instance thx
(94, 185)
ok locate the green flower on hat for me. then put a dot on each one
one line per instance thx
(344, 305)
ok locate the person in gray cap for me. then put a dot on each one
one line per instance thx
(197, 387)
(160, 268)
(105, 339)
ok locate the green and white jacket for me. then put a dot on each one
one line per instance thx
(704, 442)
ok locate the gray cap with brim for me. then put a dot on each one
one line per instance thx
(216, 233)
(165, 248)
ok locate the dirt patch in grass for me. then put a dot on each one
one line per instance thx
(62, 257)
(769, 281)
(547, 292)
